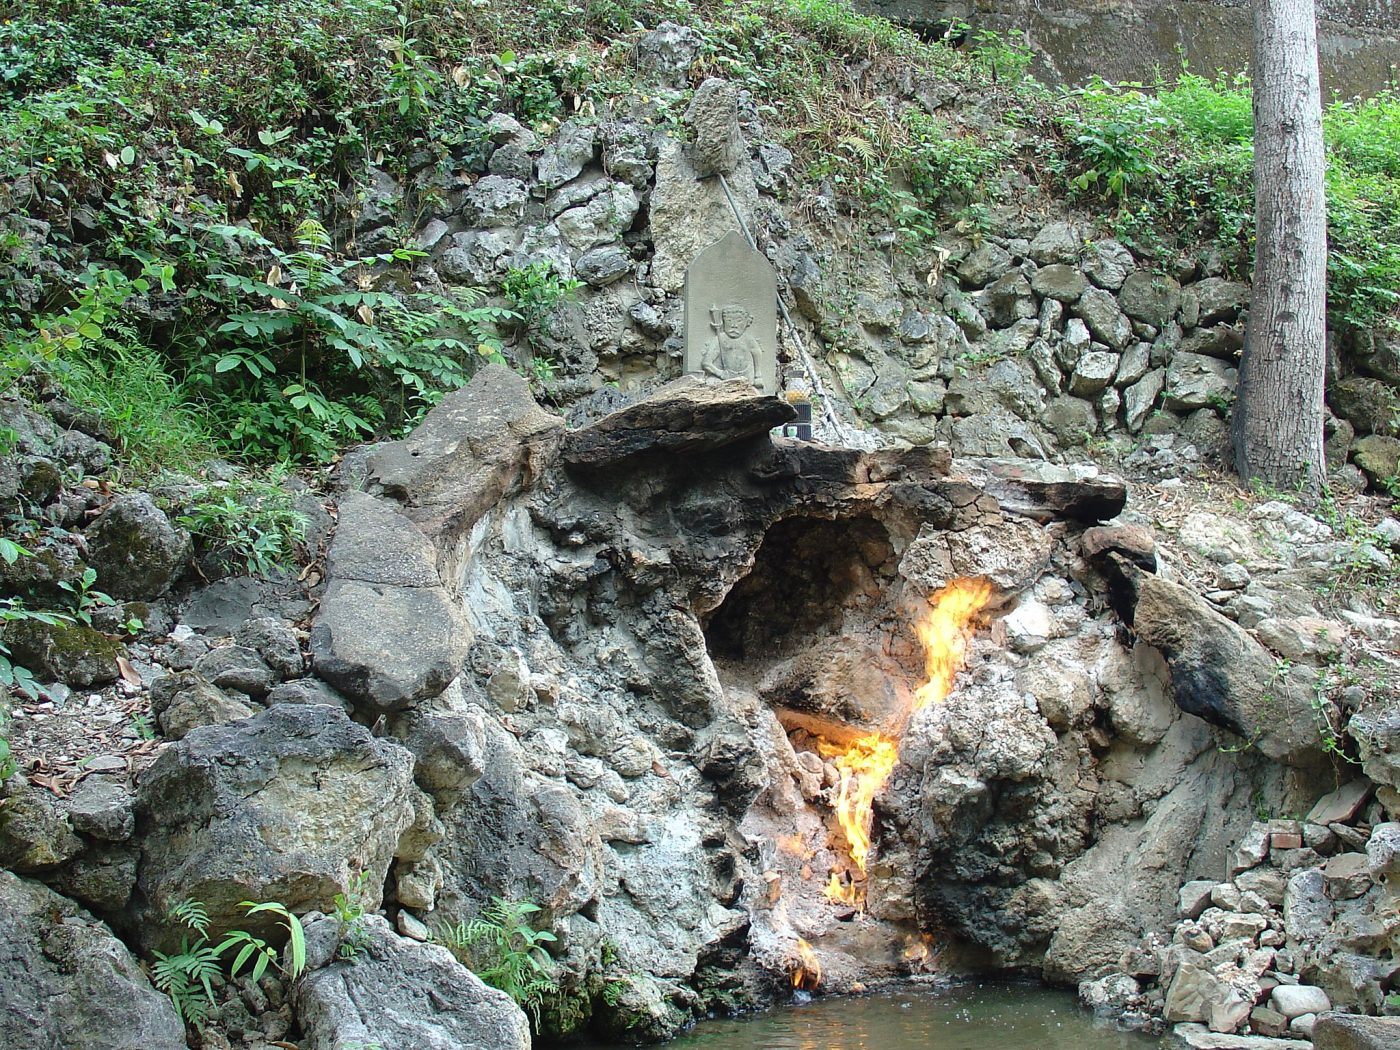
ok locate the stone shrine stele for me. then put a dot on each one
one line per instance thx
(731, 315)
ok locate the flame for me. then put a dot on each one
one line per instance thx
(945, 634)
(867, 762)
(809, 970)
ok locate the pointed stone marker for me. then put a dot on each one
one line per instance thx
(731, 315)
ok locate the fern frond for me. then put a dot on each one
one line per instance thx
(191, 913)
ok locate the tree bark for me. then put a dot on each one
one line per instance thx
(1278, 419)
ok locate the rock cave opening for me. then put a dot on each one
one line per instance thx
(836, 651)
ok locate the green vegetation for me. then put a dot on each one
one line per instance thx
(85, 595)
(502, 947)
(350, 909)
(186, 183)
(248, 524)
(187, 975)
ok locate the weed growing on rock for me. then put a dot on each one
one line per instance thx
(248, 524)
(85, 596)
(187, 976)
(503, 948)
(534, 291)
(350, 909)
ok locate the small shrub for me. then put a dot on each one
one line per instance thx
(350, 912)
(15, 678)
(187, 975)
(533, 292)
(248, 524)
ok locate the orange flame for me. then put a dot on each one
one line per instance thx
(945, 635)
(809, 970)
(867, 762)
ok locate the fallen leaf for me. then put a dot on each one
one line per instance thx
(129, 673)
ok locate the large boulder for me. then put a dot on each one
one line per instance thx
(68, 652)
(1218, 671)
(567, 155)
(67, 984)
(1354, 1032)
(289, 806)
(1376, 729)
(1099, 310)
(667, 52)
(399, 994)
(1150, 297)
(474, 448)
(1379, 457)
(689, 213)
(386, 647)
(387, 633)
(717, 144)
(36, 835)
(135, 549)
(1371, 405)
(1196, 381)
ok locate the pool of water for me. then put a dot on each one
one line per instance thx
(982, 1016)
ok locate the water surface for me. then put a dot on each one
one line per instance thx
(984, 1016)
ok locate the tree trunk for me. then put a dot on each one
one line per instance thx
(1277, 427)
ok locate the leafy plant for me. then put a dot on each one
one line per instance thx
(85, 597)
(187, 975)
(15, 677)
(533, 292)
(319, 357)
(350, 908)
(505, 950)
(248, 524)
(1115, 135)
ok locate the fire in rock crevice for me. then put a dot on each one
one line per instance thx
(865, 763)
(808, 974)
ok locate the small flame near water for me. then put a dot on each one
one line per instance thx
(809, 970)
(867, 762)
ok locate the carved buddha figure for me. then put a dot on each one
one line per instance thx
(732, 352)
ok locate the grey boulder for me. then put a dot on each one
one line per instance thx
(67, 984)
(1196, 381)
(135, 549)
(400, 994)
(686, 416)
(668, 51)
(1099, 310)
(1220, 673)
(1354, 1032)
(717, 144)
(495, 201)
(289, 806)
(386, 647)
(565, 157)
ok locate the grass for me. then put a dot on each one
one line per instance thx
(156, 423)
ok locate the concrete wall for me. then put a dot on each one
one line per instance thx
(1358, 40)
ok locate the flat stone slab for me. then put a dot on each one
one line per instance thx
(731, 314)
(1353, 1032)
(1044, 491)
(469, 452)
(1199, 1037)
(1342, 805)
(686, 416)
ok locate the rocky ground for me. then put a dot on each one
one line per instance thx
(512, 681)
